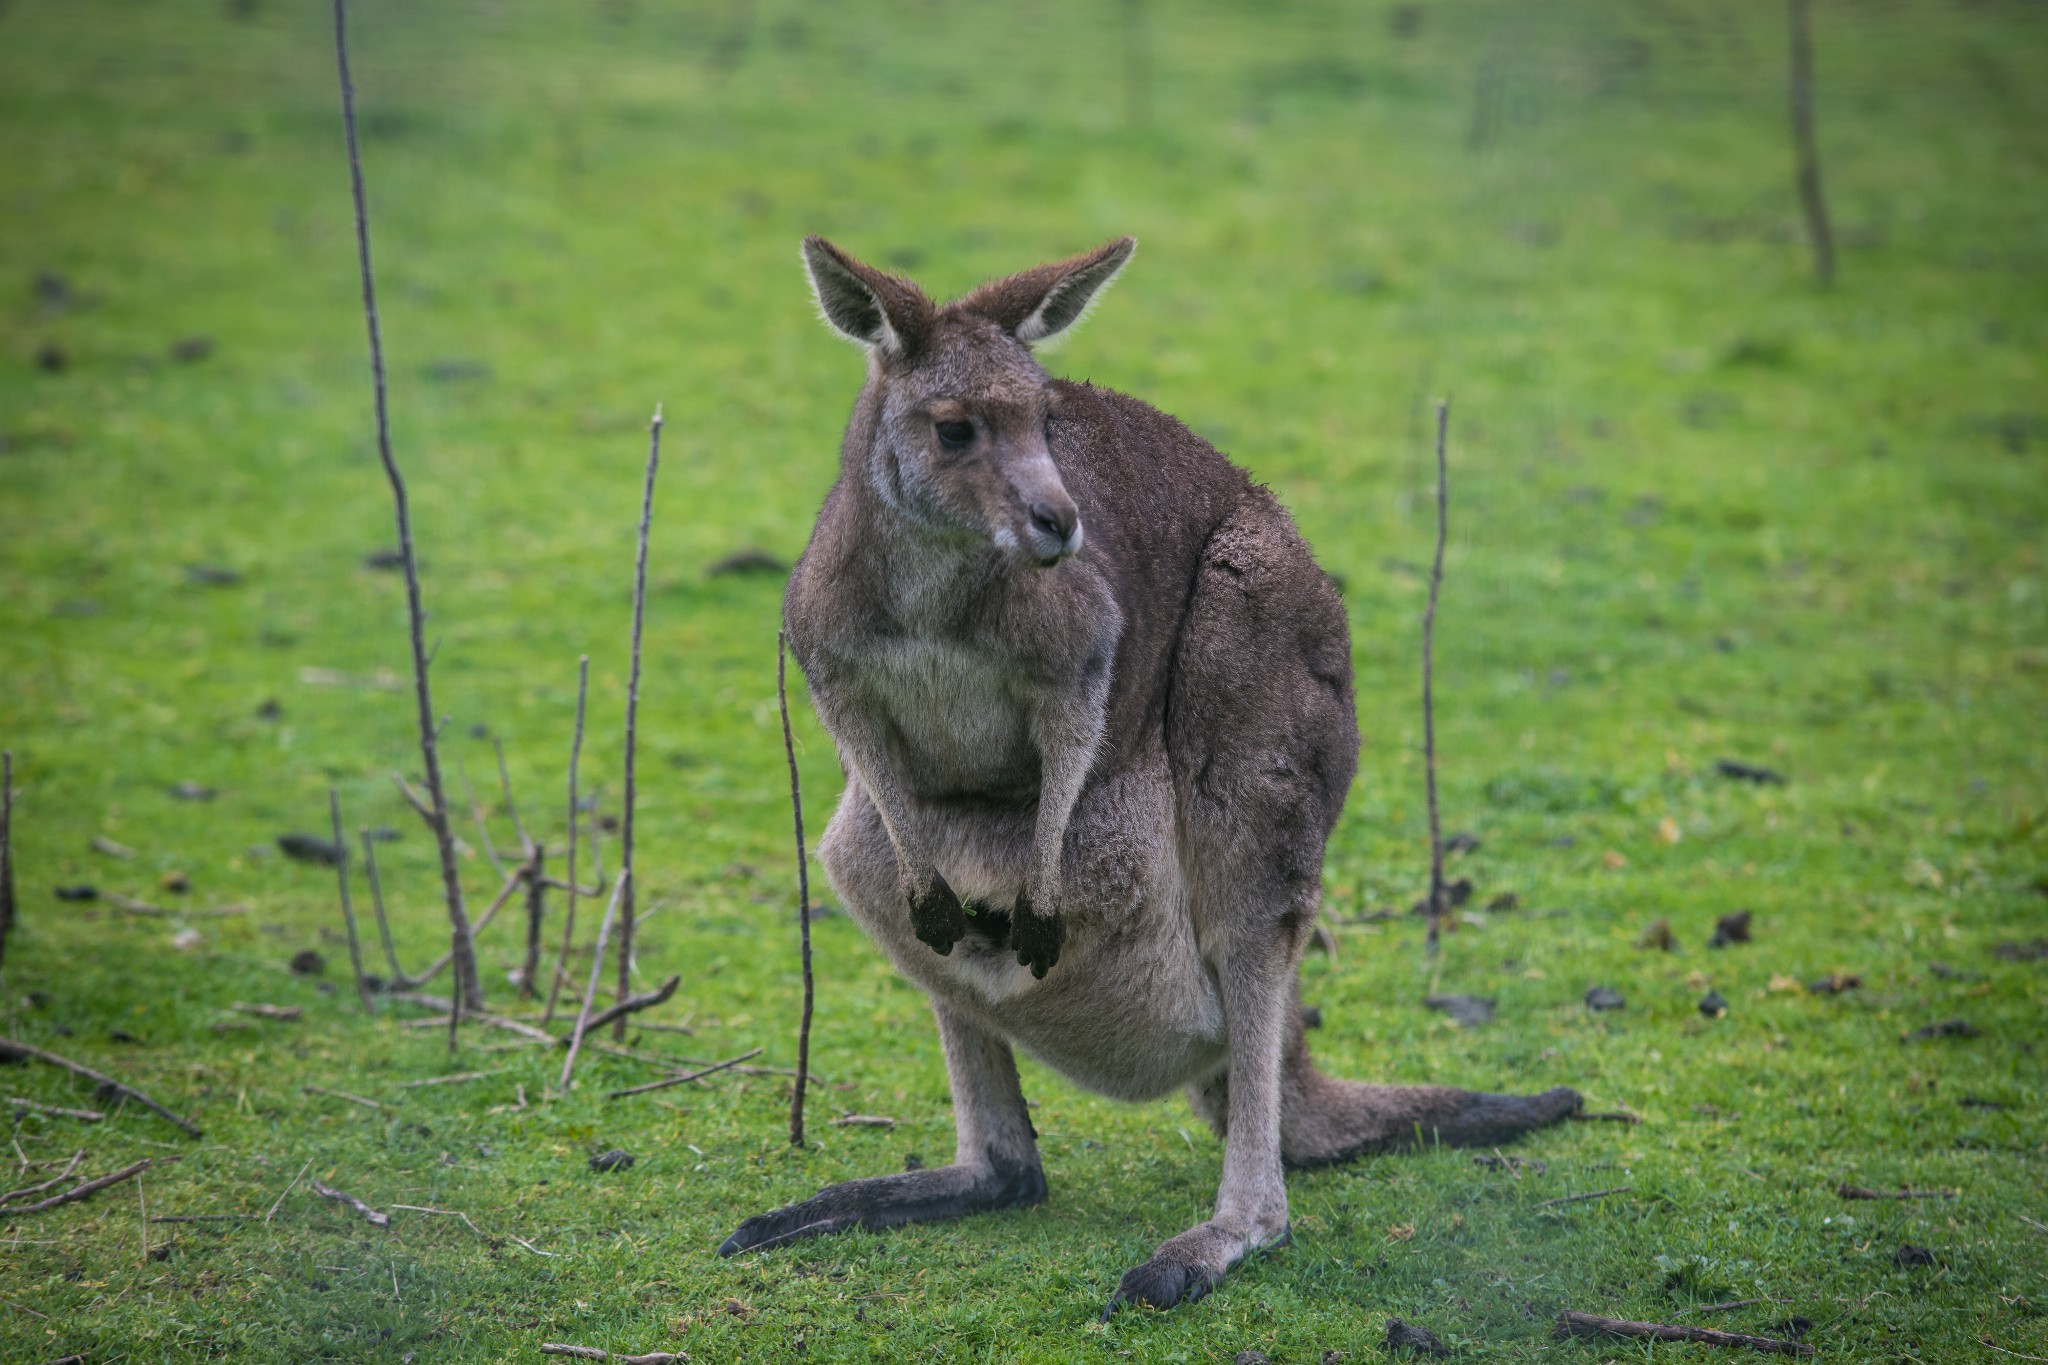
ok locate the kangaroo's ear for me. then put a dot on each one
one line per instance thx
(1046, 300)
(883, 312)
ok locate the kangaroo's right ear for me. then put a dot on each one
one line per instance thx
(884, 312)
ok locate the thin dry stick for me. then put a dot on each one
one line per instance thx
(6, 849)
(803, 898)
(342, 1095)
(87, 1190)
(476, 813)
(348, 910)
(631, 1005)
(107, 1084)
(511, 806)
(370, 1215)
(399, 980)
(468, 988)
(604, 929)
(569, 914)
(1581, 1198)
(1859, 1192)
(557, 1348)
(668, 1081)
(632, 717)
(536, 894)
(142, 1213)
(461, 1078)
(287, 1190)
(1436, 578)
(83, 1115)
(1570, 1324)
(1806, 148)
(49, 1184)
(511, 883)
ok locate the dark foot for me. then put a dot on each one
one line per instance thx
(1480, 1120)
(1036, 937)
(1162, 1282)
(890, 1200)
(939, 920)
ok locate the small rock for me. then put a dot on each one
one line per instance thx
(1749, 772)
(1908, 1256)
(309, 848)
(1604, 998)
(617, 1159)
(1947, 1028)
(1504, 902)
(1713, 1006)
(102, 844)
(747, 561)
(175, 881)
(1251, 1358)
(192, 791)
(1470, 1011)
(78, 893)
(52, 358)
(271, 709)
(1732, 928)
(1658, 936)
(308, 962)
(1402, 1336)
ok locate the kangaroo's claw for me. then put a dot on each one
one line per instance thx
(939, 920)
(1036, 936)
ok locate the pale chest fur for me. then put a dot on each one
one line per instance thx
(960, 726)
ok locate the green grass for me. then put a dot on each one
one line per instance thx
(1700, 510)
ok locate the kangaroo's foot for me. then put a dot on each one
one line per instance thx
(1327, 1120)
(938, 918)
(889, 1200)
(1186, 1267)
(1036, 936)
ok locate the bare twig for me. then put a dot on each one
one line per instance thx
(6, 849)
(513, 878)
(569, 913)
(1570, 1324)
(803, 898)
(556, 1348)
(279, 1202)
(631, 1005)
(468, 988)
(536, 894)
(51, 1183)
(864, 1121)
(414, 799)
(348, 910)
(283, 1014)
(445, 1213)
(88, 1189)
(682, 1080)
(604, 929)
(1606, 1116)
(511, 806)
(476, 812)
(398, 977)
(82, 1115)
(1859, 1192)
(342, 1095)
(456, 1079)
(1806, 147)
(108, 1085)
(632, 720)
(1436, 578)
(370, 1215)
(1580, 1198)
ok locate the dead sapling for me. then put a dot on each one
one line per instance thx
(569, 886)
(627, 906)
(1436, 578)
(348, 910)
(803, 897)
(462, 951)
(1570, 1324)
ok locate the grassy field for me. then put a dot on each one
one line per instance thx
(1702, 510)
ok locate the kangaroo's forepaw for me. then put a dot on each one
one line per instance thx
(939, 920)
(1036, 937)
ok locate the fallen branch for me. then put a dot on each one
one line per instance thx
(631, 1006)
(88, 1189)
(1570, 1324)
(370, 1215)
(108, 1085)
(803, 900)
(1436, 578)
(468, 988)
(82, 1115)
(556, 1348)
(283, 1014)
(456, 1079)
(49, 1184)
(1579, 1198)
(1859, 1192)
(632, 721)
(342, 1095)
(682, 1080)
(348, 909)
(863, 1121)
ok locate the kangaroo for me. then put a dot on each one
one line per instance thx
(1093, 700)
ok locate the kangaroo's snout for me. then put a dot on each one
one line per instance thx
(1055, 529)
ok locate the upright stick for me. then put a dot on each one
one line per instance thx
(569, 914)
(399, 980)
(348, 910)
(6, 850)
(626, 905)
(1805, 147)
(536, 891)
(1436, 578)
(468, 990)
(803, 898)
(604, 928)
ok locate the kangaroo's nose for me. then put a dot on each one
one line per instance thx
(1056, 522)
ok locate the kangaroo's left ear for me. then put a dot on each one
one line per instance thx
(1046, 300)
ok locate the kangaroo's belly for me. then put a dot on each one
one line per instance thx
(1131, 1010)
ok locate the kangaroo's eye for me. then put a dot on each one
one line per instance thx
(955, 435)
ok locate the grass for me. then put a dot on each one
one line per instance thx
(1700, 510)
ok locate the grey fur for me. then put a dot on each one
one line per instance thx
(1089, 777)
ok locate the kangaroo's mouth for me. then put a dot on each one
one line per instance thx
(1054, 534)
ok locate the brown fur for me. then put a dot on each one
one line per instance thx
(1094, 701)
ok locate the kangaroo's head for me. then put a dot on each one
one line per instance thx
(951, 429)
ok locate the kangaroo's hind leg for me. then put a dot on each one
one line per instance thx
(995, 1165)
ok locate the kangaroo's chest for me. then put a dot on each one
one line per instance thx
(957, 718)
